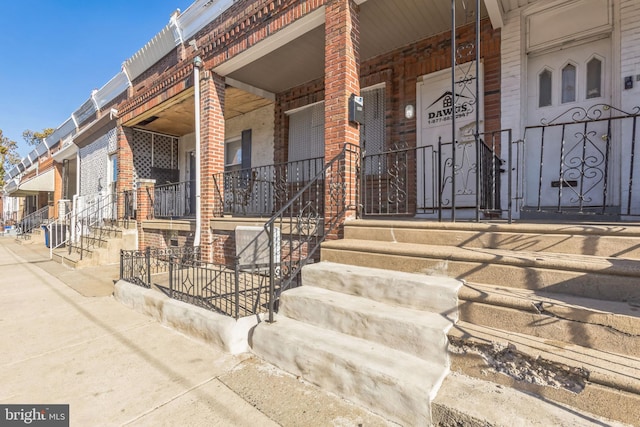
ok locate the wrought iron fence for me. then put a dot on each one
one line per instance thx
(424, 181)
(231, 290)
(138, 266)
(262, 190)
(580, 163)
(32, 221)
(173, 200)
(269, 264)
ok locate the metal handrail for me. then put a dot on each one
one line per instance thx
(59, 232)
(308, 227)
(261, 189)
(99, 207)
(172, 200)
(33, 221)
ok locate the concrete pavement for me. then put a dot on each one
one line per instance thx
(64, 339)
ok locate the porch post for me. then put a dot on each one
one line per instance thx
(212, 128)
(57, 189)
(342, 79)
(125, 167)
(144, 206)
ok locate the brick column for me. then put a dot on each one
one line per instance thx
(125, 166)
(144, 207)
(212, 91)
(342, 71)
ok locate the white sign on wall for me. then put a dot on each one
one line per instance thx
(436, 110)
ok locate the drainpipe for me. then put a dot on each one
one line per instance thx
(197, 63)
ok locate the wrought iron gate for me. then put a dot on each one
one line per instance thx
(582, 162)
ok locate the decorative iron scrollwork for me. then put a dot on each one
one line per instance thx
(595, 112)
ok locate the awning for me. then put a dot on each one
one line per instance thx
(67, 152)
(42, 182)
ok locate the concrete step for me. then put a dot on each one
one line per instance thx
(607, 240)
(73, 259)
(105, 243)
(613, 279)
(418, 291)
(391, 383)
(106, 232)
(598, 382)
(602, 325)
(415, 332)
(471, 402)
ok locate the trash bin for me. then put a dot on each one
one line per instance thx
(46, 235)
(59, 234)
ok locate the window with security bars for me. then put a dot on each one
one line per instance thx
(372, 132)
(306, 141)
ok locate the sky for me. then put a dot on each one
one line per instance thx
(55, 52)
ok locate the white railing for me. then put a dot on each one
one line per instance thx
(59, 232)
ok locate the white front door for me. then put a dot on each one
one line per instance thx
(568, 162)
(435, 112)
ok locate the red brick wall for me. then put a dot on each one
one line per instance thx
(125, 165)
(149, 77)
(224, 247)
(342, 79)
(400, 70)
(157, 238)
(212, 89)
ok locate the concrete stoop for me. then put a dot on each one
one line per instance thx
(550, 310)
(471, 402)
(374, 337)
(105, 245)
(583, 379)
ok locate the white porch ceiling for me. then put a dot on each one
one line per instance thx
(385, 25)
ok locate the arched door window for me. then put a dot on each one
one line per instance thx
(594, 78)
(569, 83)
(544, 97)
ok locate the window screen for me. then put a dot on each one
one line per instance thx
(372, 132)
(306, 141)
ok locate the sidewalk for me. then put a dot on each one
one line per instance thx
(64, 339)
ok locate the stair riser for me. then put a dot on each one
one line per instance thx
(418, 339)
(594, 398)
(552, 328)
(94, 243)
(589, 285)
(390, 397)
(437, 295)
(607, 246)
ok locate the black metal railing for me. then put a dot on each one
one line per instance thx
(32, 221)
(262, 190)
(138, 266)
(92, 213)
(294, 233)
(128, 207)
(231, 290)
(423, 180)
(580, 163)
(173, 200)
(271, 262)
